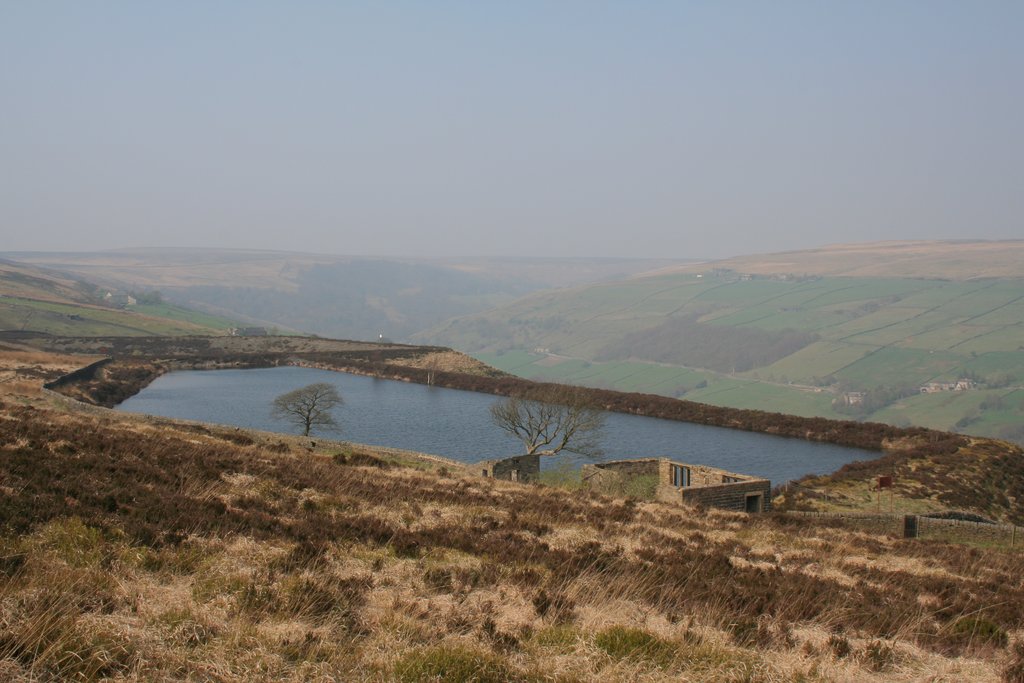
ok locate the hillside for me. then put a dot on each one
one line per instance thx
(204, 552)
(949, 260)
(935, 472)
(42, 300)
(830, 344)
(340, 296)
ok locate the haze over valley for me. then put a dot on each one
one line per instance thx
(871, 331)
(575, 342)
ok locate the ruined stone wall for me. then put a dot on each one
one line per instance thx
(611, 477)
(666, 493)
(528, 467)
(727, 496)
(601, 478)
(702, 475)
(950, 530)
(632, 468)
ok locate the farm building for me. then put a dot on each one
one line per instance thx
(525, 468)
(119, 300)
(676, 482)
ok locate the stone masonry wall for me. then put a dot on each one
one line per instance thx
(632, 468)
(600, 478)
(702, 475)
(727, 496)
(950, 530)
(527, 465)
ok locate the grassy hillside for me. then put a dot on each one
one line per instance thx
(40, 300)
(937, 472)
(786, 342)
(951, 260)
(339, 296)
(206, 553)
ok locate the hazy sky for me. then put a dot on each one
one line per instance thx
(669, 129)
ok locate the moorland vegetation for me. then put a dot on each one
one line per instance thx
(934, 471)
(134, 549)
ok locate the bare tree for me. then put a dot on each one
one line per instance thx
(309, 408)
(561, 420)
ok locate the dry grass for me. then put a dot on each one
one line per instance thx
(133, 552)
(140, 550)
(982, 476)
(448, 361)
(30, 363)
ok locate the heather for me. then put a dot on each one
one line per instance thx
(136, 549)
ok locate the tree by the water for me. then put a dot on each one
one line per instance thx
(560, 419)
(310, 407)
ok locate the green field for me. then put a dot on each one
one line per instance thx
(864, 334)
(19, 313)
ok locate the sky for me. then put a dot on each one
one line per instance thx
(435, 129)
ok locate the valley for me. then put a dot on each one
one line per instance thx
(879, 347)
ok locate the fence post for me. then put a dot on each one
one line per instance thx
(910, 526)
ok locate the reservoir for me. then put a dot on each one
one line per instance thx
(457, 424)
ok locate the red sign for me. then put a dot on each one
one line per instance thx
(885, 482)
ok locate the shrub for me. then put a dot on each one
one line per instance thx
(557, 606)
(73, 542)
(563, 476)
(453, 664)
(642, 487)
(561, 636)
(880, 656)
(360, 459)
(620, 642)
(761, 633)
(978, 631)
(839, 645)
(186, 628)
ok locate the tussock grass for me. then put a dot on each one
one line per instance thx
(620, 642)
(457, 664)
(136, 552)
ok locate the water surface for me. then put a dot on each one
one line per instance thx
(457, 424)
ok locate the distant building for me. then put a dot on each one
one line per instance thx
(524, 468)
(852, 398)
(248, 332)
(119, 300)
(678, 482)
(959, 385)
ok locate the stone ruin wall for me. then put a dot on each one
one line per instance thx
(706, 485)
(528, 466)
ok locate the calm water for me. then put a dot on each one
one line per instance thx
(457, 424)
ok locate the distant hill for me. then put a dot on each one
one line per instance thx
(339, 296)
(809, 333)
(42, 300)
(949, 260)
(18, 279)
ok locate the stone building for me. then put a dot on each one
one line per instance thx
(676, 482)
(524, 468)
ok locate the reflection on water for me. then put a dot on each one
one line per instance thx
(457, 424)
